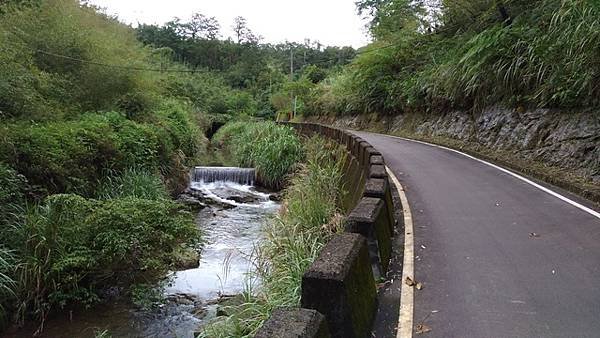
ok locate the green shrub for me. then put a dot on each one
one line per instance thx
(71, 156)
(66, 156)
(293, 240)
(174, 117)
(225, 135)
(71, 247)
(271, 149)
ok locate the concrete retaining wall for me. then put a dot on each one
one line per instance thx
(340, 285)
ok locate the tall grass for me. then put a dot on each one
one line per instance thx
(7, 284)
(548, 56)
(134, 182)
(70, 248)
(273, 150)
(309, 217)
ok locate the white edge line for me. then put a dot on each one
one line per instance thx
(528, 181)
(405, 317)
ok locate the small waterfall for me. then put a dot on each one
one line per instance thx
(224, 174)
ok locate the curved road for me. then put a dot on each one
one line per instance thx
(497, 257)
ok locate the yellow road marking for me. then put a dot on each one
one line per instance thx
(405, 318)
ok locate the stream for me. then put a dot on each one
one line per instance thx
(231, 217)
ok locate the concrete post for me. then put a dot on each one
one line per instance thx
(340, 285)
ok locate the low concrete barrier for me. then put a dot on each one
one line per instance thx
(340, 284)
(377, 159)
(377, 171)
(294, 323)
(370, 219)
(380, 188)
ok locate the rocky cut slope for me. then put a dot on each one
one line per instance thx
(560, 147)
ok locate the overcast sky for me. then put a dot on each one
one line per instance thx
(332, 22)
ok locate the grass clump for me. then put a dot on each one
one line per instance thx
(470, 55)
(12, 197)
(71, 248)
(309, 217)
(273, 150)
(7, 284)
(133, 182)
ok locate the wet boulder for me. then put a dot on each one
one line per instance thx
(191, 202)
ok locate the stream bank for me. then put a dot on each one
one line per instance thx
(230, 216)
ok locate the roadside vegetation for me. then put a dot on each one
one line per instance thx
(271, 149)
(310, 215)
(429, 57)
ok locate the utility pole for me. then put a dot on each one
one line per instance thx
(292, 80)
(291, 64)
(295, 103)
(304, 64)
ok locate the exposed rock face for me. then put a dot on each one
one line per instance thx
(569, 140)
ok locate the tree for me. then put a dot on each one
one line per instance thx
(239, 27)
(243, 34)
(201, 26)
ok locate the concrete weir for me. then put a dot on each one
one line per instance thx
(339, 289)
(226, 174)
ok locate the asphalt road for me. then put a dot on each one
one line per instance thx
(484, 273)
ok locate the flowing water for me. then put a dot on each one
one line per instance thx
(231, 235)
(244, 176)
(231, 228)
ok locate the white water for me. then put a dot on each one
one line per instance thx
(231, 235)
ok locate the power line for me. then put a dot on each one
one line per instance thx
(113, 65)
(96, 63)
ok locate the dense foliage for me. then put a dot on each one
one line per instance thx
(310, 216)
(273, 150)
(430, 56)
(93, 141)
(258, 72)
(72, 156)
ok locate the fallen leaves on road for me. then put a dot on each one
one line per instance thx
(410, 282)
(422, 328)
